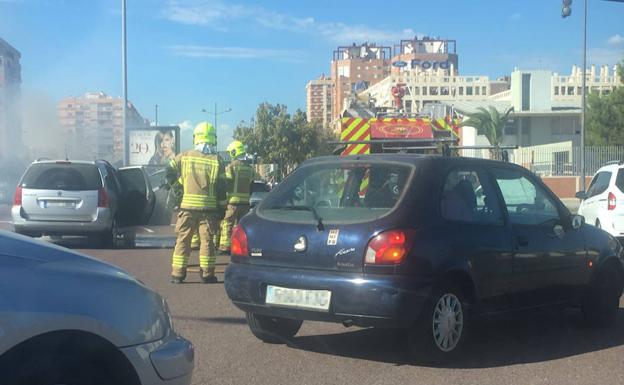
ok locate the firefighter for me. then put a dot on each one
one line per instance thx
(239, 176)
(202, 176)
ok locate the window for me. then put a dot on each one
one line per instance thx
(526, 202)
(469, 91)
(556, 90)
(477, 91)
(465, 199)
(461, 90)
(599, 184)
(619, 182)
(526, 92)
(339, 192)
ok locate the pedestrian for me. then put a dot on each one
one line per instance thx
(239, 176)
(202, 175)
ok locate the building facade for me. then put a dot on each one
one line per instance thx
(319, 97)
(426, 54)
(357, 67)
(10, 94)
(94, 124)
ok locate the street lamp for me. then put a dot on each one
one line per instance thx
(216, 113)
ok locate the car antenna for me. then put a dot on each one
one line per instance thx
(66, 156)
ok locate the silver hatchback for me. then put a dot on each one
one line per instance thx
(81, 198)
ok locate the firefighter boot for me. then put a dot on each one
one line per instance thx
(178, 274)
(208, 275)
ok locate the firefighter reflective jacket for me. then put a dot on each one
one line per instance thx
(202, 177)
(239, 178)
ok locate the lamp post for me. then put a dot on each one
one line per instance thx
(124, 77)
(216, 113)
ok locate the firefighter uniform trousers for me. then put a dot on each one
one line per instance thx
(233, 214)
(205, 223)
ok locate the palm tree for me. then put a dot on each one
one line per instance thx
(489, 122)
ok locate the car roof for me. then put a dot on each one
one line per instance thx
(611, 167)
(438, 160)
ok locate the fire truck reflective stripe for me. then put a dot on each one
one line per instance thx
(353, 129)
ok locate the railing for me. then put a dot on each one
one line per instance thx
(552, 160)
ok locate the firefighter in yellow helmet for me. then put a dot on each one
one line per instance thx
(202, 175)
(239, 176)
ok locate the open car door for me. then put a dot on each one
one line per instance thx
(137, 197)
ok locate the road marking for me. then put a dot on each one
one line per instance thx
(147, 229)
(6, 222)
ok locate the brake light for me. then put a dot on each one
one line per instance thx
(389, 247)
(103, 198)
(17, 199)
(611, 202)
(239, 242)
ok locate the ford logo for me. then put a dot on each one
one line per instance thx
(399, 64)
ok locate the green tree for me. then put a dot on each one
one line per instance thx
(489, 122)
(281, 138)
(605, 116)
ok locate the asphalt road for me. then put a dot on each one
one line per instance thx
(536, 348)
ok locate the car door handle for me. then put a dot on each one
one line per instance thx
(522, 241)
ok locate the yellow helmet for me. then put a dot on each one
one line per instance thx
(236, 149)
(204, 132)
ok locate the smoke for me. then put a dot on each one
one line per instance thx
(41, 132)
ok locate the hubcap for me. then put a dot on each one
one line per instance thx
(448, 322)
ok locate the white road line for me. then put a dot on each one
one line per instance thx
(147, 229)
(6, 222)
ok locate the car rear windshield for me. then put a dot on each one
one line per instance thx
(340, 192)
(62, 176)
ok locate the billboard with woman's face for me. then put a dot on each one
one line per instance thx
(152, 145)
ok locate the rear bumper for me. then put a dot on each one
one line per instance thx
(169, 361)
(102, 222)
(364, 300)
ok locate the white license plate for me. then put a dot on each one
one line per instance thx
(60, 204)
(298, 298)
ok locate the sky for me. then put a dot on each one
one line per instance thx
(185, 55)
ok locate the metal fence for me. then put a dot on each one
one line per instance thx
(553, 160)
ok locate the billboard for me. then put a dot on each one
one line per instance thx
(152, 145)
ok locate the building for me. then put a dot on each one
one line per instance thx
(426, 87)
(10, 110)
(357, 67)
(546, 106)
(319, 96)
(426, 54)
(94, 123)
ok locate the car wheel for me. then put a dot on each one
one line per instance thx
(602, 302)
(273, 330)
(439, 334)
(109, 238)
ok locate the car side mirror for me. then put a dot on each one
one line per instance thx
(577, 221)
(581, 195)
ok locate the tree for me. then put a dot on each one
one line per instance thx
(489, 122)
(280, 138)
(604, 122)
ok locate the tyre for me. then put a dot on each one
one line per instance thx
(602, 302)
(109, 238)
(273, 330)
(438, 336)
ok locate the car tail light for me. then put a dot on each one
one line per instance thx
(389, 247)
(611, 202)
(239, 242)
(17, 199)
(103, 198)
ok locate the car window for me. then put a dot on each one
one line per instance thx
(339, 192)
(599, 184)
(619, 181)
(62, 176)
(526, 202)
(466, 199)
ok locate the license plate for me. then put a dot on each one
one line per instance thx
(298, 298)
(59, 204)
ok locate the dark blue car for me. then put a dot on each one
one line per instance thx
(417, 242)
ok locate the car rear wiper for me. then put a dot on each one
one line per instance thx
(311, 209)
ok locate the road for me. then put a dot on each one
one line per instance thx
(537, 348)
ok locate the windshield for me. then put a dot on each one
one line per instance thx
(337, 193)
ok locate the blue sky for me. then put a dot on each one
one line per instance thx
(186, 54)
